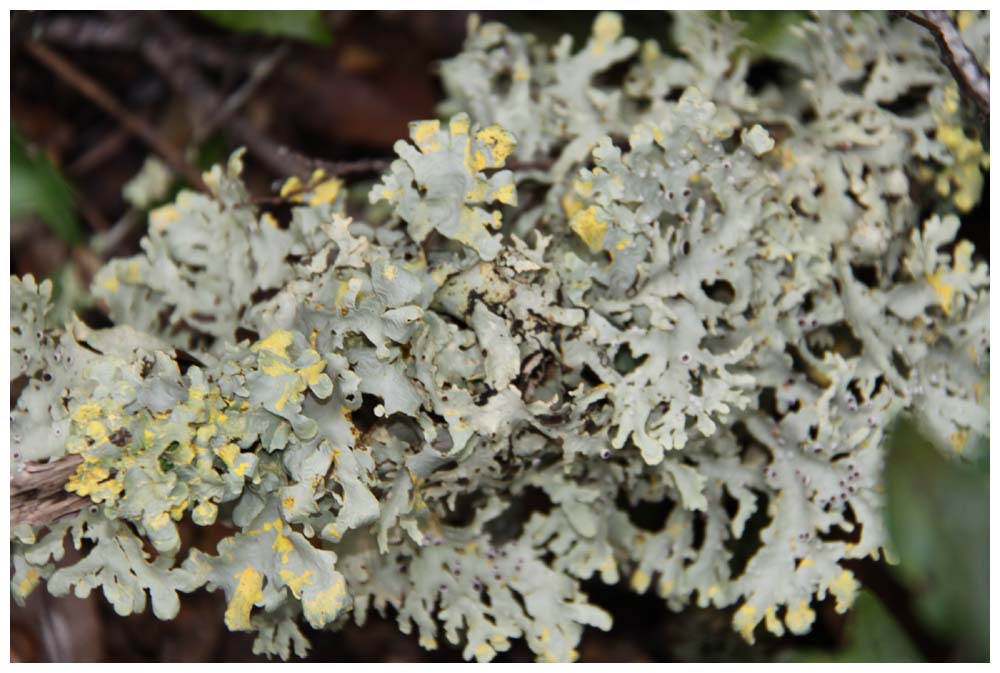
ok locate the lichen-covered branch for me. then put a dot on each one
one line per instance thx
(448, 408)
(960, 60)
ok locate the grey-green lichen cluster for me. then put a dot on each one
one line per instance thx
(715, 298)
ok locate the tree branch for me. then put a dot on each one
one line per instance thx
(38, 496)
(956, 56)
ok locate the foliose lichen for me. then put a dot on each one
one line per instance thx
(714, 297)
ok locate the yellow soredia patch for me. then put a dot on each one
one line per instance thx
(590, 228)
(390, 272)
(423, 133)
(800, 618)
(325, 192)
(286, 396)
(132, 273)
(650, 52)
(459, 126)
(479, 163)
(844, 589)
(86, 479)
(296, 582)
(772, 623)
(111, 284)
(277, 343)
(500, 142)
(292, 186)
(206, 432)
(787, 157)
(159, 521)
(745, 620)
(483, 651)
(958, 439)
(506, 194)
(944, 291)
(96, 431)
(607, 29)
(312, 373)
(160, 218)
(247, 593)
(87, 412)
(228, 453)
(965, 174)
(342, 290)
(428, 643)
(640, 581)
(282, 544)
(583, 187)
(326, 605)
(28, 582)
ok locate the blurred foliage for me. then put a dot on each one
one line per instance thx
(938, 517)
(768, 31)
(304, 25)
(151, 185)
(37, 188)
(872, 635)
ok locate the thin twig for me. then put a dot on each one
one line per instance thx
(94, 217)
(378, 165)
(258, 75)
(956, 56)
(94, 92)
(100, 152)
(187, 81)
(106, 243)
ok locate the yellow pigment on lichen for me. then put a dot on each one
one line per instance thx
(248, 592)
(589, 227)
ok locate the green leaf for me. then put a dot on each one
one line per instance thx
(768, 31)
(938, 518)
(37, 188)
(307, 25)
